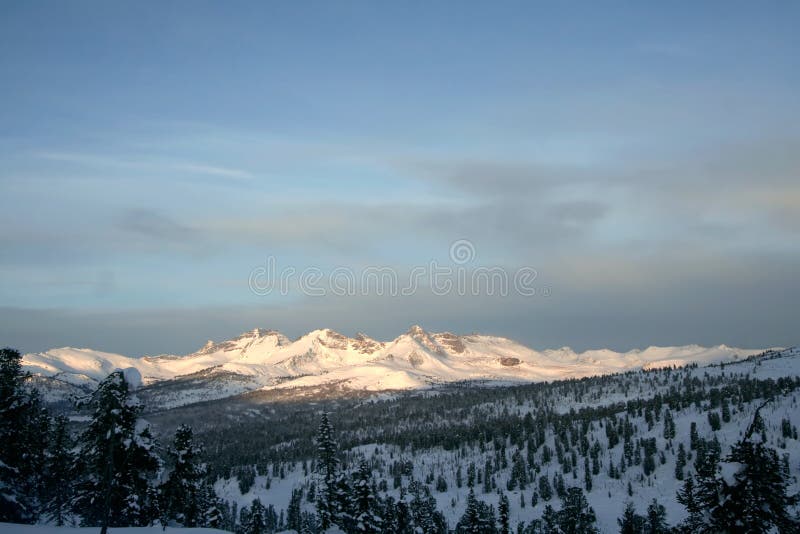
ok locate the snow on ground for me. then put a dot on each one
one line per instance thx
(608, 496)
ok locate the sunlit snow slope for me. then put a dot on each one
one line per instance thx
(266, 359)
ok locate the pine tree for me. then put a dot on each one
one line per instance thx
(487, 477)
(342, 512)
(550, 520)
(256, 521)
(669, 425)
(504, 520)
(326, 452)
(389, 516)
(630, 522)
(656, 521)
(714, 420)
(58, 486)
(404, 518)
(23, 436)
(753, 487)
(476, 518)
(293, 515)
(693, 437)
(576, 516)
(214, 514)
(115, 459)
(421, 508)
(706, 482)
(680, 462)
(687, 496)
(183, 491)
(545, 490)
(587, 475)
(364, 503)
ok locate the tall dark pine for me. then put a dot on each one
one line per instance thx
(576, 516)
(656, 520)
(115, 461)
(471, 522)
(630, 522)
(706, 481)
(293, 512)
(754, 488)
(364, 504)
(183, 491)
(687, 496)
(256, 521)
(23, 436)
(214, 515)
(326, 452)
(58, 472)
(504, 520)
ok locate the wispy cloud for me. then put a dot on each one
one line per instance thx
(211, 170)
(89, 160)
(144, 163)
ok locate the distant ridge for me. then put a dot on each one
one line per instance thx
(267, 359)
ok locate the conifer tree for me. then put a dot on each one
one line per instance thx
(256, 521)
(404, 518)
(326, 453)
(587, 475)
(23, 436)
(115, 460)
(630, 522)
(470, 522)
(183, 491)
(389, 516)
(656, 520)
(214, 514)
(687, 496)
(545, 489)
(293, 512)
(504, 520)
(364, 503)
(680, 462)
(550, 520)
(58, 477)
(576, 516)
(753, 487)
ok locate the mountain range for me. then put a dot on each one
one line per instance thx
(261, 360)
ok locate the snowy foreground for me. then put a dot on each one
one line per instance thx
(422, 459)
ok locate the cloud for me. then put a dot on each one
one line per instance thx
(616, 303)
(145, 163)
(214, 171)
(155, 225)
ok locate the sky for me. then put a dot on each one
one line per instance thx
(642, 160)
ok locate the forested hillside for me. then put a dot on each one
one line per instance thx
(688, 448)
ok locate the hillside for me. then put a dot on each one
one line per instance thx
(624, 429)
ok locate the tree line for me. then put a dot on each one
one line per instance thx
(109, 475)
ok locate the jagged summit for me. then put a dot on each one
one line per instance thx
(416, 330)
(265, 358)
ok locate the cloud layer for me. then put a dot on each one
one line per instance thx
(646, 165)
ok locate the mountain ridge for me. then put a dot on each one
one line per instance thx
(267, 359)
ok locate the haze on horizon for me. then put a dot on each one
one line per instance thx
(645, 160)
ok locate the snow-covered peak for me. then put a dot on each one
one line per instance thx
(416, 330)
(263, 357)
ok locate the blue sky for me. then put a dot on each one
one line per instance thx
(644, 159)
